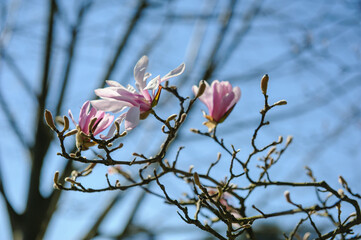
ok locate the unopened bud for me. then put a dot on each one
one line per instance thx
(196, 179)
(167, 162)
(183, 117)
(117, 126)
(59, 120)
(281, 102)
(289, 140)
(341, 192)
(72, 132)
(201, 89)
(91, 124)
(49, 120)
(56, 178)
(68, 179)
(264, 84)
(117, 183)
(272, 150)
(194, 130)
(66, 123)
(288, 196)
(280, 139)
(171, 117)
(123, 134)
(306, 236)
(343, 182)
(219, 155)
(191, 168)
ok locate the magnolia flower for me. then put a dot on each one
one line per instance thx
(85, 116)
(140, 101)
(220, 99)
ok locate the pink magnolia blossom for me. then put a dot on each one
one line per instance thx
(85, 116)
(220, 99)
(116, 97)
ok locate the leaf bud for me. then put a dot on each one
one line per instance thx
(196, 179)
(341, 192)
(281, 102)
(289, 140)
(194, 130)
(66, 123)
(171, 117)
(183, 117)
(264, 84)
(201, 89)
(288, 196)
(91, 124)
(49, 120)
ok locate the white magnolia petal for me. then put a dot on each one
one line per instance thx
(110, 105)
(175, 72)
(132, 118)
(113, 128)
(153, 84)
(139, 72)
(131, 88)
(112, 83)
(72, 118)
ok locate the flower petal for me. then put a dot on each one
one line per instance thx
(113, 128)
(153, 84)
(72, 118)
(132, 118)
(139, 72)
(84, 114)
(103, 123)
(112, 83)
(175, 72)
(110, 105)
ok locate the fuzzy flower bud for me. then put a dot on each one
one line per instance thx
(49, 120)
(264, 84)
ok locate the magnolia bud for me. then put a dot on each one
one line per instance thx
(289, 140)
(306, 236)
(288, 196)
(72, 132)
(56, 177)
(91, 124)
(202, 88)
(171, 117)
(49, 120)
(183, 117)
(117, 126)
(264, 84)
(272, 150)
(194, 130)
(66, 123)
(281, 102)
(196, 179)
(341, 193)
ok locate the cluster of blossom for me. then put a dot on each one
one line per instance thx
(219, 97)
(213, 201)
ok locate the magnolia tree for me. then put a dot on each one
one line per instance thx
(213, 203)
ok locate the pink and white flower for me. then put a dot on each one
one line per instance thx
(116, 97)
(220, 99)
(85, 116)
